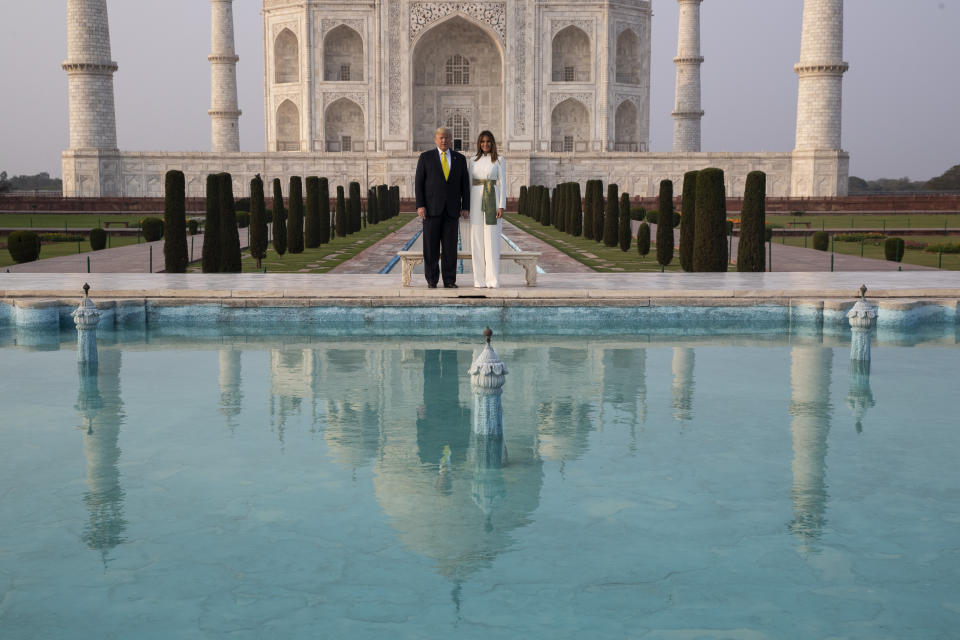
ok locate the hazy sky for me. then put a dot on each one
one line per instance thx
(901, 95)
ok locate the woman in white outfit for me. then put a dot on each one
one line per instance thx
(488, 199)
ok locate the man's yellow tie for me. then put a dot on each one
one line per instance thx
(445, 165)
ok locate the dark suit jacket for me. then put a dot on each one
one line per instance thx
(435, 193)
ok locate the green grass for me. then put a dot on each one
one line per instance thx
(595, 255)
(874, 249)
(76, 222)
(58, 249)
(323, 258)
(848, 221)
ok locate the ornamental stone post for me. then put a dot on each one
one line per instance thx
(487, 376)
(862, 317)
(86, 318)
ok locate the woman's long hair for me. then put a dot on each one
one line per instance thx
(493, 146)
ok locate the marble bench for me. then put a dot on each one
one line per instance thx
(526, 259)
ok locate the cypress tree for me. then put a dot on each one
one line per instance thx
(295, 218)
(545, 206)
(258, 220)
(324, 200)
(533, 202)
(626, 234)
(575, 226)
(599, 211)
(175, 257)
(311, 220)
(753, 223)
(611, 222)
(643, 239)
(279, 220)
(665, 224)
(709, 237)
(373, 207)
(554, 202)
(561, 207)
(211, 227)
(229, 234)
(355, 206)
(341, 219)
(394, 201)
(522, 201)
(383, 202)
(688, 208)
(588, 211)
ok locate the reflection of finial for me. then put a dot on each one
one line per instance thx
(863, 292)
(86, 290)
(487, 333)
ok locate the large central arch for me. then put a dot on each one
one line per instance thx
(457, 73)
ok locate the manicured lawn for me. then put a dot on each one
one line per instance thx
(595, 255)
(848, 221)
(325, 257)
(76, 222)
(57, 249)
(873, 248)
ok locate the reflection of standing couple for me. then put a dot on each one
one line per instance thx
(449, 187)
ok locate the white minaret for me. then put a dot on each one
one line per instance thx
(686, 111)
(224, 110)
(93, 120)
(821, 70)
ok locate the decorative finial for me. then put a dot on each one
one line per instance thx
(86, 290)
(863, 292)
(487, 333)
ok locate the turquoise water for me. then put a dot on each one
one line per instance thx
(743, 487)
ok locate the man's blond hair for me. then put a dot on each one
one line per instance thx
(443, 130)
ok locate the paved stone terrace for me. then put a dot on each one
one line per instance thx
(561, 288)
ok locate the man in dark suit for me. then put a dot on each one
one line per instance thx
(443, 197)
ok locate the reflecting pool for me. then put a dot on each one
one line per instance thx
(647, 487)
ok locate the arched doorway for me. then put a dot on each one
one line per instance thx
(286, 58)
(457, 78)
(625, 133)
(628, 58)
(288, 127)
(344, 130)
(571, 55)
(569, 126)
(343, 55)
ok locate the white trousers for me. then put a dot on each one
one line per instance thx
(485, 249)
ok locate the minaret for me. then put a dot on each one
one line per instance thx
(686, 111)
(224, 110)
(93, 120)
(821, 70)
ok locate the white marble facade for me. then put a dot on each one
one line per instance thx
(354, 90)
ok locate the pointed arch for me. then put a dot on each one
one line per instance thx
(628, 58)
(626, 129)
(472, 84)
(344, 126)
(569, 126)
(286, 57)
(288, 127)
(343, 55)
(571, 55)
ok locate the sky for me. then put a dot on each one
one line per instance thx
(901, 94)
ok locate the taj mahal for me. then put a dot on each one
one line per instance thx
(354, 89)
